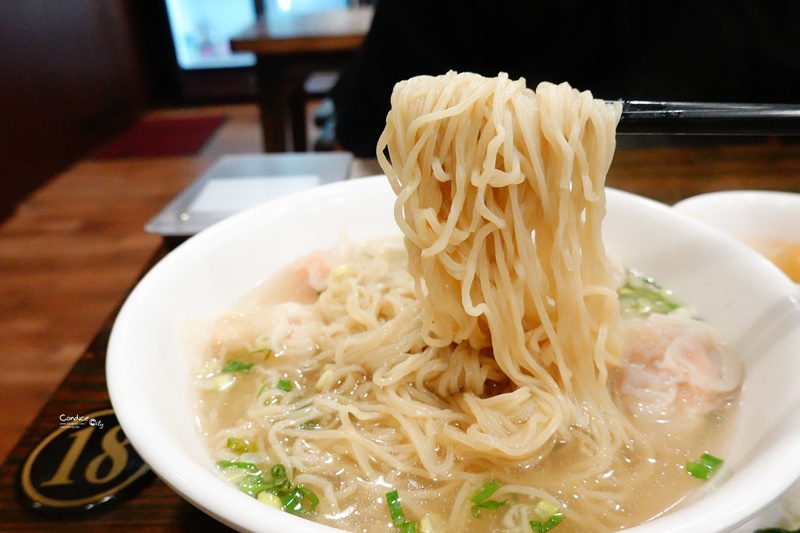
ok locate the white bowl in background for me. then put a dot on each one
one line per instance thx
(761, 219)
(735, 290)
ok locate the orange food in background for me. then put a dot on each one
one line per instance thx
(783, 253)
(788, 260)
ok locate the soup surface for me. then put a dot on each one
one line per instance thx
(314, 395)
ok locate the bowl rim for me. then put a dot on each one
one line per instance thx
(727, 197)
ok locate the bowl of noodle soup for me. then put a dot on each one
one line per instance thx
(335, 360)
(148, 367)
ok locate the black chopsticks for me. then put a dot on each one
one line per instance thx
(698, 118)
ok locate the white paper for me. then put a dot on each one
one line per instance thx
(229, 195)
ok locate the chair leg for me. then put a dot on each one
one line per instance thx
(316, 86)
(298, 114)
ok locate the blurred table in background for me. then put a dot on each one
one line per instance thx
(288, 50)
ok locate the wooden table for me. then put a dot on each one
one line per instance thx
(667, 174)
(289, 48)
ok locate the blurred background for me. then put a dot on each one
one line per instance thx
(75, 73)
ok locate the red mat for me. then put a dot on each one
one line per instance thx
(163, 137)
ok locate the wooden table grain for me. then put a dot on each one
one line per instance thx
(667, 173)
(154, 507)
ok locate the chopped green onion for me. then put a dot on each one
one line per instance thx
(279, 477)
(266, 351)
(311, 424)
(550, 516)
(300, 501)
(238, 445)
(270, 499)
(252, 467)
(395, 509)
(547, 525)
(254, 485)
(489, 505)
(224, 381)
(482, 501)
(704, 467)
(276, 491)
(409, 527)
(285, 385)
(545, 509)
(324, 379)
(426, 525)
(485, 491)
(237, 366)
(398, 517)
(263, 344)
(641, 296)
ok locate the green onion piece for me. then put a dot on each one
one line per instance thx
(252, 467)
(300, 501)
(409, 527)
(279, 478)
(270, 498)
(285, 385)
(545, 509)
(547, 525)
(254, 484)
(262, 346)
(641, 296)
(237, 366)
(238, 445)
(426, 525)
(485, 491)
(490, 505)
(704, 467)
(395, 509)
(324, 380)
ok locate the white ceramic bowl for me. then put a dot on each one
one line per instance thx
(735, 289)
(756, 218)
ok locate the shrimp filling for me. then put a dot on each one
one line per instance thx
(675, 365)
